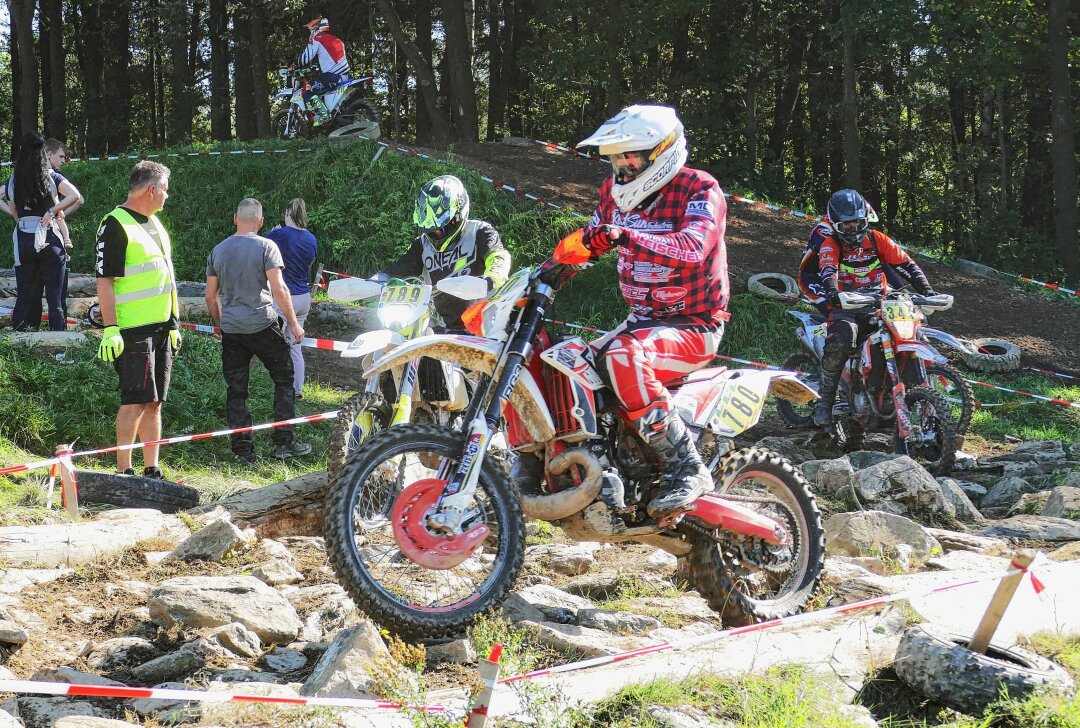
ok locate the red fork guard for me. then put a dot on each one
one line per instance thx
(417, 543)
(717, 512)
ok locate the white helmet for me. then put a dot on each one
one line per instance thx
(656, 134)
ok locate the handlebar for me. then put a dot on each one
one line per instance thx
(853, 300)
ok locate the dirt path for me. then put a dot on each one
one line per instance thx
(760, 240)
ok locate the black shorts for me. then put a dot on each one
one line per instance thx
(145, 367)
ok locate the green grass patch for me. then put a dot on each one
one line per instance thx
(788, 697)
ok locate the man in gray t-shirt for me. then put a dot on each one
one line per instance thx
(243, 282)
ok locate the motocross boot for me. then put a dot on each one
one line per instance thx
(319, 107)
(827, 390)
(684, 473)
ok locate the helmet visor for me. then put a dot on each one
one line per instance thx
(626, 166)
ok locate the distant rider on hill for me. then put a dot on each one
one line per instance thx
(329, 51)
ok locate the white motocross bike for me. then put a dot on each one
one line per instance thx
(294, 120)
(423, 389)
(426, 532)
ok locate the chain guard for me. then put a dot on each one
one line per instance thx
(417, 542)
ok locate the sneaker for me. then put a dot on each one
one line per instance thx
(129, 471)
(299, 395)
(245, 457)
(294, 449)
(153, 471)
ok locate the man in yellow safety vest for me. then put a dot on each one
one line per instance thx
(136, 288)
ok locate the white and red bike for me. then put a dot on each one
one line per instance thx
(426, 531)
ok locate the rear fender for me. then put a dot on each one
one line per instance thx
(731, 401)
(923, 351)
(480, 355)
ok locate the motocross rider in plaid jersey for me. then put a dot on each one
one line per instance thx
(850, 257)
(667, 221)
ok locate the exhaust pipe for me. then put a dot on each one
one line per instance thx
(556, 506)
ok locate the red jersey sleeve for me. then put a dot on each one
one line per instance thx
(888, 251)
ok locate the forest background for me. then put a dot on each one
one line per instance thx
(955, 117)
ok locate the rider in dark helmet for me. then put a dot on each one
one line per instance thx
(852, 257)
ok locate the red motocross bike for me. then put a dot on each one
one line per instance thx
(426, 531)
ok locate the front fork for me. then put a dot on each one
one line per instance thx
(899, 392)
(459, 494)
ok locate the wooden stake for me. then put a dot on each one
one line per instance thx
(69, 487)
(489, 676)
(984, 634)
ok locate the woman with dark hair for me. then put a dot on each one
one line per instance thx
(32, 196)
(298, 248)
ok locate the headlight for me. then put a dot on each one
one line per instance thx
(395, 315)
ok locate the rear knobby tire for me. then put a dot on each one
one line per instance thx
(342, 550)
(713, 572)
(936, 662)
(800, 361)
(992, 355)
(358, 111)
(344, 438)
(940, 457)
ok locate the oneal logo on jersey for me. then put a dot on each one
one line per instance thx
(668, 294)
(699, 208)
(437, 260)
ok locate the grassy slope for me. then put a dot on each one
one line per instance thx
(361, 213)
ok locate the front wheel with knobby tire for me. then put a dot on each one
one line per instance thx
(413, 580)
(807, 364)
(951, 385)
(748, 580)
(359, 418)
(933, 432)
(290, 124)
(936, 662)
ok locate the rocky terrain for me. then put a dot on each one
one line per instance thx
(141, 598)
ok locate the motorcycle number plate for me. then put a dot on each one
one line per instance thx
(413, 294)
(738, 409)
(898, 311)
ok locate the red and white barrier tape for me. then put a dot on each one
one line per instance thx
(38, 687)
(171, 441)
(1051, 373)
(1040, 397)
(771, 624)
(817, 218)
(175, 155)
(327, 344)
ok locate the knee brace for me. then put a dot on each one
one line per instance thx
(839, 344)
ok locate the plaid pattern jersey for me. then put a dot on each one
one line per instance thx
(672, 260)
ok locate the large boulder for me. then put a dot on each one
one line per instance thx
(956, 498)
(1064, 502)
(555, 604)
(1005, 492)
(900, 486)
(877, 533)
(830, 477)
(195, 602)
(1036, 528)
(1032, 451)
(356, 660)
(213, 542)
(568, 559)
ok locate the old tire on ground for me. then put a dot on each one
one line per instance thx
(773, 285)
(135, 491)
(937, 663)
(993, 355)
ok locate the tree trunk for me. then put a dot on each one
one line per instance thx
(178, 26)
(116, 75)
(680, 60)
(892, 142)
(787, 92)
(16, 89)
(291, 508)
(1063, 142)
(496, 87)
(849, 109)
(422, 67)
(45, 34)
(220, 100)
(243, 79)
(517, 80)
(422, 13)
(22, 29)
(459, 60)
(90, 46)
(260, 86)
(614, 47)
(818, 112)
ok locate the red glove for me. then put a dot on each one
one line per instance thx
(603, 238)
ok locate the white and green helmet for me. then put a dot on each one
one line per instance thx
(442, 208)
